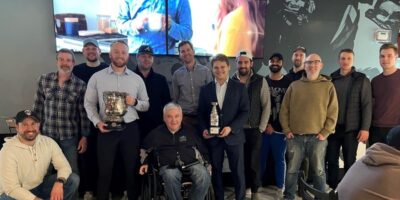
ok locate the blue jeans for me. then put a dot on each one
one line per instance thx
(276, 143)
(69, 148)
(298, 148)
(172, 178)
(43, 190)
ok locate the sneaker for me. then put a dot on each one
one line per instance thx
(279, 193)
(255, 196)
(248, 191)
(88, 196)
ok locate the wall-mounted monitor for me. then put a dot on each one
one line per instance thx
(222, 26)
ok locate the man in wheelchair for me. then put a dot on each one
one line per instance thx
(176, 149)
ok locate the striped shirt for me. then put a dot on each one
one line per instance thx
(61, 109)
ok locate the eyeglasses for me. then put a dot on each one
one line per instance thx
(309, 62)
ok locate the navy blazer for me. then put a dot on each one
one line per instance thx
(234, 113)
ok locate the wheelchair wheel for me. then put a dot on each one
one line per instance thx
(146, 188)
(151, 187)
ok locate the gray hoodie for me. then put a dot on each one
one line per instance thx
(374, 176)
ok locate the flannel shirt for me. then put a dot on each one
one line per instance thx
(61, 109)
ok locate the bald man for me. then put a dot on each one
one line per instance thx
(308, 116)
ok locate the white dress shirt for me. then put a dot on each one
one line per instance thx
(221, 91)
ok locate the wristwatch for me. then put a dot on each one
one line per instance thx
(60, 180)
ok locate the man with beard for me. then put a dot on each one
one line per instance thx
(88, 160)
(258, 92)
(274, 140)
(157, 90)
(59, 105)
(308, 116)
(91, 52)
(117, 77)
(298, 57)
(24, 160)
(187, 81)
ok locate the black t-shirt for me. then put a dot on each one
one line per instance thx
(84, 72)
(294, 76)
(277, 90)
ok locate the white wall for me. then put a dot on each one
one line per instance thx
(27, 50)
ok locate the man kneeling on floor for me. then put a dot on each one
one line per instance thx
(24, 162)
(178, 149)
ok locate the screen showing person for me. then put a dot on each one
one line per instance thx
(228, 26)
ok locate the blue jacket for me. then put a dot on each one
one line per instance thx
(180, 29)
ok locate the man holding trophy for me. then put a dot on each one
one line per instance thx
(223, 110)
(120, 93)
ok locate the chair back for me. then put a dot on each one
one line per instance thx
(308, 192)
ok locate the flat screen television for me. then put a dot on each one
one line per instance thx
(222, 26)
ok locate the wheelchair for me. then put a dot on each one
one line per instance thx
(153, 185)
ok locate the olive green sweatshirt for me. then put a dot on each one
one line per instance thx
(310, 107)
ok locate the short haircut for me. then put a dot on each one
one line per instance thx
(389, 46)
(183, 43)
(119, 42)
(171, 105)
(65, 50)
(219, 57)
(393, 137)
(346, 51)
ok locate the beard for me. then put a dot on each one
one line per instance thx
(29, 137)
(275, 68)
(297, 63)
(244, 72)
(92, 60)
(65, 69)
(119, 64)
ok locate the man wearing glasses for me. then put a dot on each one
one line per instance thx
(308, 115)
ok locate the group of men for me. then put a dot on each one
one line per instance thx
(302, 114)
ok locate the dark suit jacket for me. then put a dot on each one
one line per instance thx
(234, 113)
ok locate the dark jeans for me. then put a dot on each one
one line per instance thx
(43, 190)
(252, 149)
(378, 134)
(349, 144)
(68, 147)
(125, 142)
(88, 164)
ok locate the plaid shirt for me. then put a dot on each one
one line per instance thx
(61, 108)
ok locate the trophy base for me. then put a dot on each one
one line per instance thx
(115, 126)
(214, 131)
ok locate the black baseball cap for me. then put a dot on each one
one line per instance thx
(276, 55)
(22, 115)
(145, 49)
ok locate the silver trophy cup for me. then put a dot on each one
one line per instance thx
(214, 120)
(115, 109)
